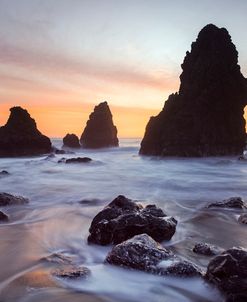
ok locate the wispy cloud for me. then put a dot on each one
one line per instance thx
(63, 67)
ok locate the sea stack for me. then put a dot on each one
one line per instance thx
(20, 136)
(205, 118)
(71, 141)
(100, 131)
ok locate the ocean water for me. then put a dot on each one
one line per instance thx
(65, 197)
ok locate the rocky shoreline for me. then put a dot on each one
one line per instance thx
(138, 236)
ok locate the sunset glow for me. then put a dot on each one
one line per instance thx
(60, 60)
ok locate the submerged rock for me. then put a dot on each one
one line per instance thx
(205, 118)
(3, 216)
(206, 249)
(143, 253)
(76, 160)
(72, 272)
(50, 156)
(100, 131)
(123, 218)
(243, 218)
(233, 202)
(71, 141)
(20, 136)
(228, 272)
(9, 200)
(59, 151)
(4, 173)
(58, 258)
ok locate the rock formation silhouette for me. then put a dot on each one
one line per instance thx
(205, 118)
(20, 136)
(100, 131)
(71, 141)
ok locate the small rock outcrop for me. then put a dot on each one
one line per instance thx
(100, 131)
(243, 218)
(233, 202)
(123, 218)
(71, 141)
(20, 136)
(205, 118)
(9, 200)
(58, 258)
(3, 217)
(75, 160)
(228, 272)
(143, 253)
(206, 249)
(71, 272)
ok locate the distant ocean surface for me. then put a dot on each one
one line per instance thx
(65, 197)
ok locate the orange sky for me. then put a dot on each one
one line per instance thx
(56, 121)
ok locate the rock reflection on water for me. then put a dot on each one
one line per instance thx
(65, 198)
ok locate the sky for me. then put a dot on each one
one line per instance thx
(60, 58)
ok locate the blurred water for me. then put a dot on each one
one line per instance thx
(64, 199)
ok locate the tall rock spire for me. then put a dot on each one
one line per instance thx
(205, 118)
(100, 131)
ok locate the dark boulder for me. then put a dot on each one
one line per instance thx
(205, 118)
(233, 202)
(123, 219)
(206, 249)
(143, 253)
(71, 141)
(20, 136)
(3, 217)
(75, 160)
(228, 272)
(71, 272)
(9, 200)
(100, 131)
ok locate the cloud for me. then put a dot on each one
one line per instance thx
(65, 68)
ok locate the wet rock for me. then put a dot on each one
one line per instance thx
(4, 173)
(3, 217)
(205, 118)
(228, 272)
(140, 252)
(71, 141)
(76, 160)
(62, 160)
(9, 200)
(20, 136)
(206, 249)
(100, 131)
(243, 218)
(143, 253)
(179, 267)
(58, 151)
(71, 272)
(233, 202)
(123, 218)
(58, 258)
(88, 201)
